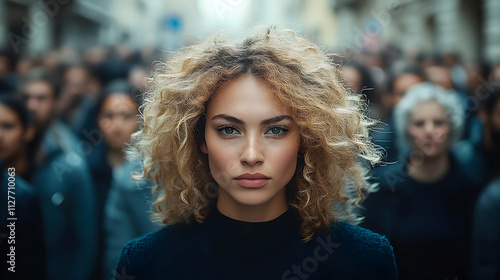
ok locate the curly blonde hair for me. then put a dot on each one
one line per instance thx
(330, 179)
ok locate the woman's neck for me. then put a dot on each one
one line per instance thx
(267, 211)
(429, 170)
(115, 157)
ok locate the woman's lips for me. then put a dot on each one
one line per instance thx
(252, 181)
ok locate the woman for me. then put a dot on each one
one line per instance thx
(425, 202)
(116, 118)
(123, 209)
(16, 131)
(253, 146)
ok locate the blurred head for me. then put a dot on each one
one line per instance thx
(352, 78)
(76, 79)
(16, 128)
(117, 114)
(401, 79)
(440, 76)
(197, 115)
(490, 115)
(5, 64)
(40, 93)
(495, 73)
(137, 78)
(357, 77)
(428, 120)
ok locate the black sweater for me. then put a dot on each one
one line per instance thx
(429, 225)
(223, 248)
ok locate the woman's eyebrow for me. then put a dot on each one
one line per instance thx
(228, 118)
(264, 122)
(276, 119)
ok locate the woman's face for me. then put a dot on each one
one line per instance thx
(429, 129)
(118, 120)
(12, 134)
(252, 144)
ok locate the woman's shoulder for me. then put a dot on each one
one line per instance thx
(369, 252)
(160, 245)
(360, 237)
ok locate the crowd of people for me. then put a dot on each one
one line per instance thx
(66, 117)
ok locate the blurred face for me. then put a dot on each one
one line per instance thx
(493, 125)
(252, 144)
(440, 76)
(353, 78)
(118, 120)
(76, 82)
(40, 100)
(12, 134)
(401, 85)
(429, 129)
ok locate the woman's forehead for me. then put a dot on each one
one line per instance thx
(246, 96)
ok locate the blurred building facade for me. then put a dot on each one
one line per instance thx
(469, 28)
(35, 26)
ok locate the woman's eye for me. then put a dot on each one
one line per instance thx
(438, 122)
(277, 131)
(418, 123)
(227, 130)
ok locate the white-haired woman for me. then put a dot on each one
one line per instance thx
(424, 205)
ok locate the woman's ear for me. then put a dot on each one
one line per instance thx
(203, 147)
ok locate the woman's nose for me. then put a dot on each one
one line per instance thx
(429, 127)
(252, 153)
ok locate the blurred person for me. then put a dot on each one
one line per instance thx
(117, 65)
(486, 237)
(64, 185)
(95, 55)
(477, 78)
(399, 80)
(494, 76)
(8, 78)
(481, 155)
(24, 66)
(127, 211)
(16, 131)
(229, 142)
(425, 203)
(50, 62)
(76, 101)
(137, 79)
(440, 76)
(117, 110)
(458, 73)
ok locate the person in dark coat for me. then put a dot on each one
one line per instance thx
(480, 155)
(483, 158)
(63, 182)
(116, 110)
(20, 217)
(425, 203)
(253, 147)
(486, 238)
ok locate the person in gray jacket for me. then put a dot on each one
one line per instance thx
(127, 213)
(123, 204)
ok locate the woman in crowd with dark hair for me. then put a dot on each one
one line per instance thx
(28, 260)
(255, 147)
(122, 205)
